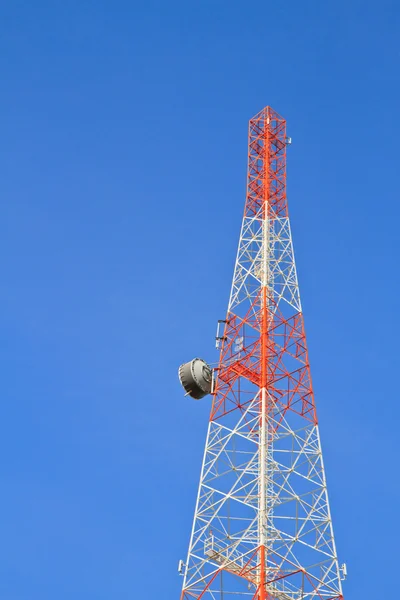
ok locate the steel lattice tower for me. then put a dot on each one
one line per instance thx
(262, 527)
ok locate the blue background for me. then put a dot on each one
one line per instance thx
(123, 171)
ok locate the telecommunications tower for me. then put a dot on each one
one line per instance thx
(262, 526)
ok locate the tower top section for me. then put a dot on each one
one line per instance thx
(267, 164)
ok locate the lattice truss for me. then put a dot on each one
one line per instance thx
(232, 516)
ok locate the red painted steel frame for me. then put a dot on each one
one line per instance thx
(292, 390)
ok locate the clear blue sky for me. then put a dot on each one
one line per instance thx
(123, 166)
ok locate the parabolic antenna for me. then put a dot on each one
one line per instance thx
(196, 378)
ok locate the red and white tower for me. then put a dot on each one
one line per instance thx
(262, 527)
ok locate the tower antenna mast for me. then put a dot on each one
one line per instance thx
(262, 526)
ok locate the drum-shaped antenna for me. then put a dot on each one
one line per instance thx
(196, 378)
